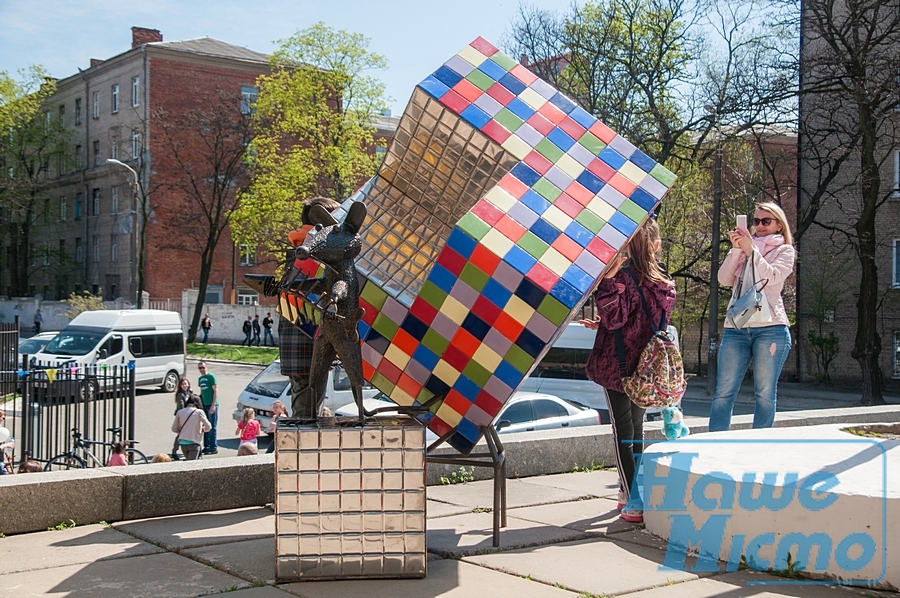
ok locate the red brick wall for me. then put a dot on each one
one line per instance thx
(175, 86)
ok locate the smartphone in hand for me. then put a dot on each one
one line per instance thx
(742, 223)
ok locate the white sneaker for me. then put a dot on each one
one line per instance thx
(622, 498)
(632, 516)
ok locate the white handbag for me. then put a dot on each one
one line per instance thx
(754, 307)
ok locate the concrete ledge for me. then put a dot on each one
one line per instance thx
(161, 489)
(36, 501)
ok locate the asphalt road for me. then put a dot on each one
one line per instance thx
(154, 409)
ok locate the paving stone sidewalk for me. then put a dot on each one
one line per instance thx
(564, 539)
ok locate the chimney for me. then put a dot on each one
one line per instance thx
(141, 36)
(523, 60)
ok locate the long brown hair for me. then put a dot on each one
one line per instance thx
(642, 251)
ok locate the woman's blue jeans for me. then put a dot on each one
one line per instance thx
(768, 347)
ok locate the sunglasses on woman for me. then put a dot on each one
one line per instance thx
(763, 221)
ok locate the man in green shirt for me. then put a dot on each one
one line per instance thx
(209, 395)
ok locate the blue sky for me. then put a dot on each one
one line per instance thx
(416, 36)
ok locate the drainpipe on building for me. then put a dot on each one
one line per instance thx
(87, 137)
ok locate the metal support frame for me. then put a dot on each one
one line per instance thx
(494, 458)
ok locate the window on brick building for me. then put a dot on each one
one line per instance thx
(47, 210)
(79, 159)
(115, 99)
(63, 208)
(62, 250)
(248, 97)
(895, 357)
(247, 297)
(135, 144)
(114, 248)
(896, 277)
(96, 148)
(896, 174)
(114, 147)
(96, 249)
(77, 111)
(114, 200)
(46, 253)
(77, 210)
(79, 251)
(248, 255)
(95, 110)
(95, 202)
(62, 116)
(135, 91)
(214, 294)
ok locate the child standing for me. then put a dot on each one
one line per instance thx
(277, 412)
(117, 457)
(248, 427)
(619, 298)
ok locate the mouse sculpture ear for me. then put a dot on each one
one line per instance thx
(320, 216)
(356, 215)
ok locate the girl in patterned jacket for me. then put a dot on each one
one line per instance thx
(619, 308)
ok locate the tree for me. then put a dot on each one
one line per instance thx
(205, 145)
(848, 110)
(313, 124)
(678, 80)
(82, 303)
(33, 141)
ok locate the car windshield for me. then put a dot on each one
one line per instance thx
(31, 346)
(73, 343)
(269, 382)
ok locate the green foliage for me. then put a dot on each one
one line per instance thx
(81, 303)
(589, 468)
(34, 143)
(314, 124)
(61, 526)
(262, 355)
(825, 348)
(463, 475)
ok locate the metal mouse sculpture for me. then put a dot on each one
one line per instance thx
(336, 245)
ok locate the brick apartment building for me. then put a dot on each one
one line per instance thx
(830, 272)
(88, 227)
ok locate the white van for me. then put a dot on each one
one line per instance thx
(561, 371)
(152, 338)
(270, 385)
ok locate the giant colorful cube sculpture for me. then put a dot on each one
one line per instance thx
(497, 208)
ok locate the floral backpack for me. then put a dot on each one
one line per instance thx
(658, 380)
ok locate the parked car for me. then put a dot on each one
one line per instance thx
(30, 346)
(523, 412)
(527, 411)
(270, 385)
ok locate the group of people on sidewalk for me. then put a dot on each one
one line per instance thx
(637, 276)
(251, 329)
(196, 416)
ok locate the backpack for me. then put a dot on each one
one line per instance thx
(658, 380)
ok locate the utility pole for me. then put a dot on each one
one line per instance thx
(711, 369)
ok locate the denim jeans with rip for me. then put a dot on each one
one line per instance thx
(767, 347)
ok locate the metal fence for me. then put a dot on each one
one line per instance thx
(9, 357)
(51, 402)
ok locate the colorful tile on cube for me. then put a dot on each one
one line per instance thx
(497, 208)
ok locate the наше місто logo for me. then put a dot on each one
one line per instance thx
(809, 521)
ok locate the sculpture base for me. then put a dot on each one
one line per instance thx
(350, 499)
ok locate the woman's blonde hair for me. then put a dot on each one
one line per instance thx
(279, 403)
(774, 209)
(642, 251)
(247, 414)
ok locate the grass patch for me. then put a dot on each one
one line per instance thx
(463, 475)
(61, 526)
(236, 353)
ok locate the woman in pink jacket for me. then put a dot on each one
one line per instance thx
(766, 343)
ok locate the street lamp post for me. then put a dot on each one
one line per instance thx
(137, 191)
(711, 368)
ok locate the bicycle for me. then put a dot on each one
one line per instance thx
(70, 460)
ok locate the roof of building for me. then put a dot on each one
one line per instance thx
(209, 46)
